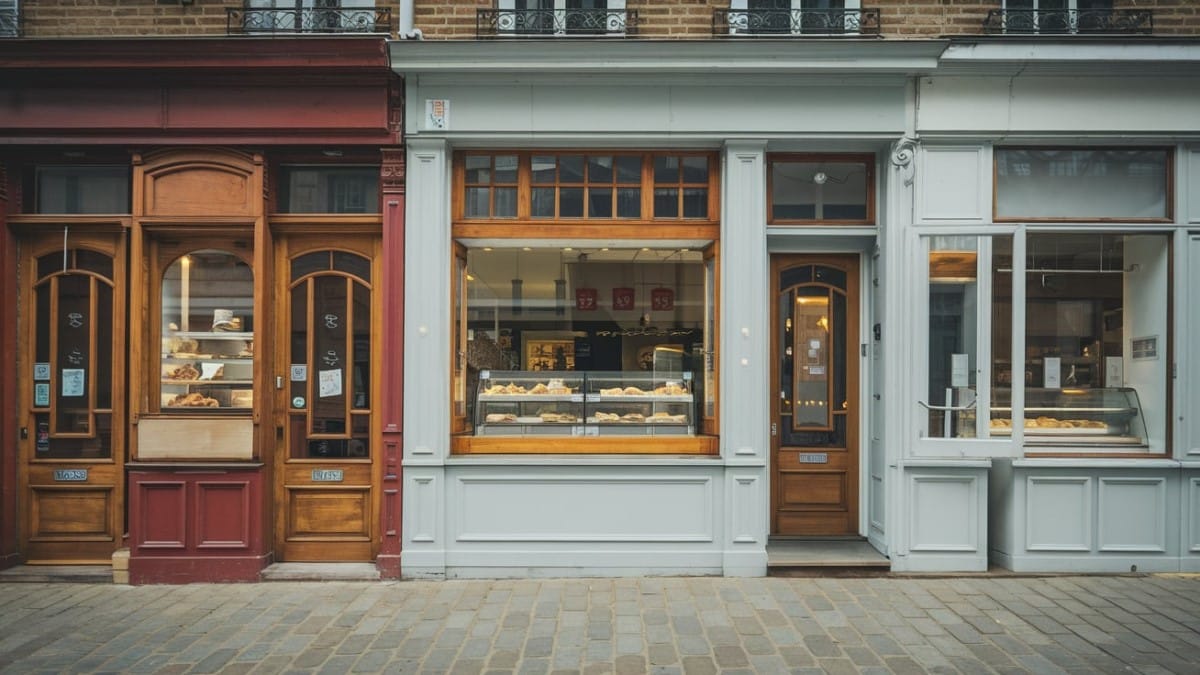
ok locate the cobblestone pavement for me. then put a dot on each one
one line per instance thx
(1147, 624)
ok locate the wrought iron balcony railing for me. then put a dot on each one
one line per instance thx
(1068, 21)
(777, 22)
(10, 22)
(555, 22)
(251, 21)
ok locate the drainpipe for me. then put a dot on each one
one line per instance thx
(406, 30)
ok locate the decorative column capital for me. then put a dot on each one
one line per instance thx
(391, 171)
(903, 152)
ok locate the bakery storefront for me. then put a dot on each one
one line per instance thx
(200, 313)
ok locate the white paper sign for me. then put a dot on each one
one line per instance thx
(208, 370)
(1114, 371)
(299, 372)
(330, 382)
(72, 381)
(1053, 375)
(437, 113)
(958, 370)
(41, 371)
(41, 394)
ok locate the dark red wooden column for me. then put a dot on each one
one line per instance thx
(392, 184)
(9, 454)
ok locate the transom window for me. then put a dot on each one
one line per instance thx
(821, 189)
(82, 189)
(1087, 184)
(604, 186)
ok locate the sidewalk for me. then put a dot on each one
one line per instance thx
(1147, 624)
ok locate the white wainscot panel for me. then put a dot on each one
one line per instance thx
(1193, 187)
(1193, 514)
(1133, 514)
(1058, 513)
(953, 184)
(585, 509)
(746, 515)
(945, 513)
(421, 508)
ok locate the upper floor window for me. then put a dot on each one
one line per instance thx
(1057, 17)
(310, 16)
(10, 18)
(821, 189)
(556, 17)
(82, 189)
(603, 186)
(1093, 184)
(795, 17)
(322, 189)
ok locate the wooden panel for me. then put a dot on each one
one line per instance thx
(223, 514)
(197, 192)
(208, 437)
(162, 514)
(807, 490)
(329, 512)
(75, 512)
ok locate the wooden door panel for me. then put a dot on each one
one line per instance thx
(814, 458)
(329, 513)
(58, 512)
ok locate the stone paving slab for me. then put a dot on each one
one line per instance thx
(661, 626)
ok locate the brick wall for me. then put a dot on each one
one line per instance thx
(899, 19)
(106, 18)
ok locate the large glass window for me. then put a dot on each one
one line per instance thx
(321, 189)
(1084, 368)
(207, 333)
(83, 189)
(1105, 184)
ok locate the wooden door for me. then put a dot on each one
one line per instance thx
(815, 416)
(72, 408)
(327, 461)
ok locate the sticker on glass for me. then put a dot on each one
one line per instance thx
(41, 394)
(299, 372)
(41, 371)
(72, 381)
(298, 402)
(330, 382)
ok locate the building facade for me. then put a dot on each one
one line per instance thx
(600, 288)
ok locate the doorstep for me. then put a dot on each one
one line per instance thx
(51, 574)
(320, 572)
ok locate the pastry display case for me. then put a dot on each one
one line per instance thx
(1075, 416)
(584, 403)
(207, 371)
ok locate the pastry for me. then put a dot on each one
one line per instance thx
(633, 391)
(194, 400)
(615, 391)
(607, 417)
(633, 417)
(185, 372)
(539, 388)
(670, 389)
(500, 418)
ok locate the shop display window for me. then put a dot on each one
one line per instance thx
(207, 355)
(82, 189)
(1083, 184)
(1084, 317)
(812, 189)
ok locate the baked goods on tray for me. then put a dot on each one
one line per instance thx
(194, 400)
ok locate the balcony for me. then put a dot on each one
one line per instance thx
(1068, 21)
(10, 21)
(794, 22)
(533, 23)
(316, 20)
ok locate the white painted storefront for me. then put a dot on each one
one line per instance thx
(931, 113)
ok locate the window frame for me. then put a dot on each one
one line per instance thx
(525, 230)
(868, 160)
(1168, 178)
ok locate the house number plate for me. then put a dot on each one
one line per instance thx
(814, 458)
(327, 475)
(71, 475)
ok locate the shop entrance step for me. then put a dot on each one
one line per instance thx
(51, 574)
(342, 571)
(813, 556)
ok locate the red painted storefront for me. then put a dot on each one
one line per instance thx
(151, 100)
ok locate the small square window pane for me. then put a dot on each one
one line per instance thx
(666, 169)
(600, 169)
(629, 169)
(506, 203)
(479, 169)
(542, 203)
(695, 169)
(543, 167)
(506, 168)
(477, 202)
(600, 203)
(83, 189)
(629, 203)
(695, 203)
(570, 169)
(570, 202)
(666, 203)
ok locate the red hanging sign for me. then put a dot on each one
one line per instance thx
(585, 299)
(662, 299)
(623, 299)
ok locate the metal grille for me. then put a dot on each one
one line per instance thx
(10, 19)
(1068, 21)
(552, 22)
(309, 20)
(777, 22)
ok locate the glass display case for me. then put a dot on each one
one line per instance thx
(1084, 416)
(207, 370)
(584, 403)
